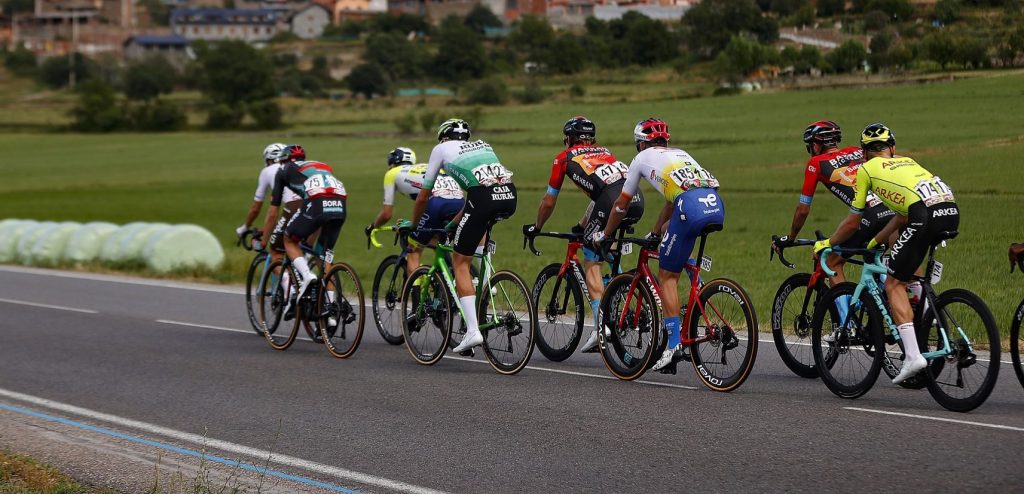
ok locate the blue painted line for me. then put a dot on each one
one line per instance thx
(176, 449)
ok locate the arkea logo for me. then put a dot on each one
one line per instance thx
(893, 196)
(945, 212)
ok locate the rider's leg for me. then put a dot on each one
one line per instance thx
(467, 300)
(412, 259)
(595, 286)
(835, 262)
(907, 253)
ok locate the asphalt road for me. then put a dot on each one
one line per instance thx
(177, 365)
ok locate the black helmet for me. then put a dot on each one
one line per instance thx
(877, 137)
(580, 127)
(455, 129)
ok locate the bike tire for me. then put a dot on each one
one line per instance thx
(627, 351)
(347, 308)
(253, 277)
(271, 286)
(791, 324)
(944, 376)
(387, 315)
(426, 318)
(835, 359)
(561, 327)
(728, 309)
(509, 345)
(1016, 344)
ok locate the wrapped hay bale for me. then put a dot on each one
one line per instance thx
(132, 245)
(110, 252)
(182, 247)
(48, 249)
(10, 233)
(23, 251)
(85, 243)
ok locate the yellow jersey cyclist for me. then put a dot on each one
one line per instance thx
(924, 207)
(405, 177)
(692, 202)
(490, 197)
(599, 175)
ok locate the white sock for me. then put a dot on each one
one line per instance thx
(469, 310)
(302, 268)
(909, 341)
(331, 296)
(286, 281)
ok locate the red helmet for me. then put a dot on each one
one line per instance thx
(651, 129)
(824, 132)
(292, 152)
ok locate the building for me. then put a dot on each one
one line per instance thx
(358, 9)
(113, 12)
(310, 21)
(252, 26)
(174, 47)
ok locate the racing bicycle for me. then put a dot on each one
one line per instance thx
(1016, 344)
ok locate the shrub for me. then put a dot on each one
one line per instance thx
(157, 116)
(532, 93)
(429, 120)
(368, 79)
(224, 116)
(56, 71)
(96, 109)
(848, 57)
(490, 91)
(21, 62)
(406, 124)
(577, 91)
(266, 114)
(149, 78)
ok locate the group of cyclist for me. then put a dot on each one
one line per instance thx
(464, 189)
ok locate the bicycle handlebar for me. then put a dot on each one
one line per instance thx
(248, 238)
(875, 253)
(371, 239)
(800, 242)
(528, 239)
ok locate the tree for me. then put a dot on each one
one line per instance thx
(830, 8)
(875, 20)
(710, 25)
(96, 109)
(402, 23)
(158, 11)
(482, 17)
(897, 10)
(972, 52)
(395, 54)
(848, 57)
(804, 16)
(741, 57)
(568, 54)
(532, 36)
(649, 41)
(948, 11)
(146, 79)
(940, 47)
(233, 72)
(17, 6)
(490, 91)
(368, 79)
(56, 71)
(21, 62)
(880, 46)
(460, 53)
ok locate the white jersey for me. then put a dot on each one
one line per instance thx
(470, 163)
(266, 181)
(670, 171)
(408, 180)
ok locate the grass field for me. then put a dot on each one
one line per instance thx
(970, 132)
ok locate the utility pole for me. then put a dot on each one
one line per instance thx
(73, 49)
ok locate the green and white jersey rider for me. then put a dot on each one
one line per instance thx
(471, 164)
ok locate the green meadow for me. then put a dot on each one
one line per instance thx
(970, 132)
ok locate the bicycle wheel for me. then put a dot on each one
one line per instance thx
(386, 294)
(962, 380)
(1016, 344)
(724, 361)
(560, 313)
(508, 307)
(252, 290)
(342, 311)
(791, 323)
(426, 316)
(846, 352)
(630, 320)
(273, 297)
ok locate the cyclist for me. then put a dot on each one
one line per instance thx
(924, 207)
(323, 207)
(692, 202)
(836, 169)
(599, 175)
(266, 181)
(405, 176)
(490, 197)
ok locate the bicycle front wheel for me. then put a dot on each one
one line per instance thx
(724, 361)
(252, 289)
(1016, 344)
(426, 316)
(506, 307)
(962, 380)
(386, 294)
(791, 323)
(630, 322)
(846, 340)
(342, 311)
(275, 291)
(560, 313)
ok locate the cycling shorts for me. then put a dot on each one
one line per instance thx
(871, 222)
(276, 240)
(485, 206)
(326, 213)
(600, 210)
(694, 209)
(438, 213)
(924, 224)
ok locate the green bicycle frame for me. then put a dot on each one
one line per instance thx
(440, 264)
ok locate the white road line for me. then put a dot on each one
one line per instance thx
(235, 290)
(230, 447)
(218, 328)
(47, 306)
(772, 341)
(937, 419)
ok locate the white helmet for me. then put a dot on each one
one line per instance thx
(270, 152)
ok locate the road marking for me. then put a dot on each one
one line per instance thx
(350, 475)
(576, 373)
(772, 341)
(47, 306)
(234, 290)
(218, 328)
(938, 419)
(188, 452)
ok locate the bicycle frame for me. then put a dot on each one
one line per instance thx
(439, 263)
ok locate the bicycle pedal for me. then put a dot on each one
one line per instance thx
(669, 369)
(595, 349)
(680, 355)
(468, 353)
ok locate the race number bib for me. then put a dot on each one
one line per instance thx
(691, 176)
(933, 191)
(612, 172)
(491, 174)
(319, 184)
(446, 187)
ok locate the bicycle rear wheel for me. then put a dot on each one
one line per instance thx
(560, 313)
(962, 380)
(848, 354)
(1016, 344)
(252, 290)
(791, 323)
(273, 296)
(630, 321)
(724, 362)
(426, 316)
(508, 307)
(386, 295)
(342, 311)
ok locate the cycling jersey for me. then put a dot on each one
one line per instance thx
(266, 181)
(899, 183)
(591, 168)
(670, 171)
(471, 164)
(837, 171)
(408, 179)
(308, 179)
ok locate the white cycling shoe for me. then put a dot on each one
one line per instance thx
(666, 358)
(472, 339)
(910, 369)
(591, 344)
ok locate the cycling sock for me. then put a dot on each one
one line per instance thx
(843, 307)
(469, 312)
(909, 341)
(286, 281)
(914, 287)
(672, 325)
(331, 295)
(301, 268)
(595, 306)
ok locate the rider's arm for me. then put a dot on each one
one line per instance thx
(622, 203)
(663, 216)
(803, 209)
(275, 204)
(254, 211)
(547, 203)
(433, 168)
(387, 210)
(547, 206)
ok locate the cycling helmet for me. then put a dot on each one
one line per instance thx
(291, 152)
(271, 151)
(454, 128)
(580, 127)
(877, 137)
(824, 132)
(399, 156)
(651, 129)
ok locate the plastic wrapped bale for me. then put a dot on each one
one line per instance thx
(132, 245)
(111, 250)
(85, 243)
(10, 233)
(23, 252)
(183, 247)
(48, 249)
